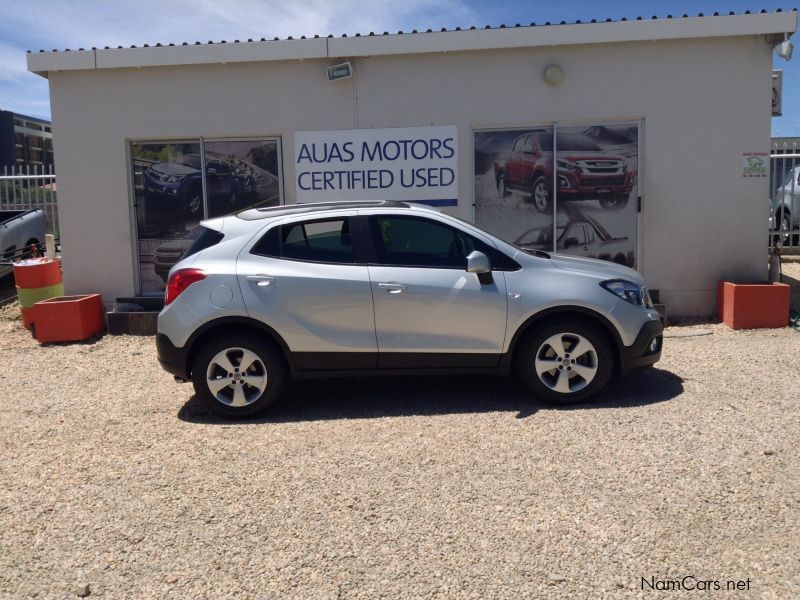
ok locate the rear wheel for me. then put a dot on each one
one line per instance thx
(502, 190)
(540, 195)
(785, 226)
(565, 362)
(239, 376)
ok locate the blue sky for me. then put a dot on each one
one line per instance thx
(48, 24)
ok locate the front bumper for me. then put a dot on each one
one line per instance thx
(640, 354)
(171, 358)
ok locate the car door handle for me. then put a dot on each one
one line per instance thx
(261, 280)
(393, 288)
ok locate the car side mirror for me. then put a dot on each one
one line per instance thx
(478, 263)
(573, 241)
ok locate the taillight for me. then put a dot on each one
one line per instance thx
(180, 280)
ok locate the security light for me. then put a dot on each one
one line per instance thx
(341, 71)
(784, 49)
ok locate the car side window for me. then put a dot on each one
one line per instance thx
(416, 242)
(580, 233)
(518, 145)
(529, 145)
(322, 240)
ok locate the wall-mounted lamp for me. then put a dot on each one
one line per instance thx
(341, 71)
(784, 49)
(554, 74)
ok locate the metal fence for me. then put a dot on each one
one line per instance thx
(784, 199)
(30, 188)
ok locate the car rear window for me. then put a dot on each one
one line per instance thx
(321, 240)
(203, 238)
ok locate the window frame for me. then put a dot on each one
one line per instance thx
(356, 236)
(369, 231)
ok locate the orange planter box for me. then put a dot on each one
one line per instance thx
(68, 318)
(753, 305)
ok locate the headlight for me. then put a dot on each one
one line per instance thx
(629, 291)
(566, 165)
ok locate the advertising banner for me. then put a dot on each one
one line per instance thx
(566, 189)
(415, 164)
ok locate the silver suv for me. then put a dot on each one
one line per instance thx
(355, 288)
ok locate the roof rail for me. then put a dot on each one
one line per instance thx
(300, 208)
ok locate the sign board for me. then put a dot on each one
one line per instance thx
(415, 164)
(777, 93)
(755, 164)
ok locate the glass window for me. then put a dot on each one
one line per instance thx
(518, 145)
(414, 242)
(323, 241)
(241, 175)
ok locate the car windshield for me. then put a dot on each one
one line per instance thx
(539, 236)
(189, 160)
(568, 142)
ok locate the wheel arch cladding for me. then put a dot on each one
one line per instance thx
(570, 314)
(232, 325)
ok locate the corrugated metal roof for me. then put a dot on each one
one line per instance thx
(417, 32)
(417, 42)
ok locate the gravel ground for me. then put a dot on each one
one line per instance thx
(112, 477)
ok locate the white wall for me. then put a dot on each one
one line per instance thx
(704, 103)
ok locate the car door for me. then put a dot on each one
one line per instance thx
(575, 240)
(515, 163)
(429, 311)
(305, 279)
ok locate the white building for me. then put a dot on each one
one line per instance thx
(660, 129)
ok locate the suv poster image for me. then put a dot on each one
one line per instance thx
(596, 170)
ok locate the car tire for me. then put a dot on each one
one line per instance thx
(502, 190)
(231, 393)
(194, 201)
(784, 226)
(615, 202)
(540, 195)
(572, 379)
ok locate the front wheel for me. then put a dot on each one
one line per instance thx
(239, 376)
(565, 362)
(194, 202)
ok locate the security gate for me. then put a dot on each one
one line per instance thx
(784, 201)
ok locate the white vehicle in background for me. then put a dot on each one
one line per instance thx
(785, 208)
(584, 236)
(19, 230)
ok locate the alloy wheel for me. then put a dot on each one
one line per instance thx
(236, 377)
(566, 362)
(540, 199)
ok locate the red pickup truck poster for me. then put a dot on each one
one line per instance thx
(569, 189)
